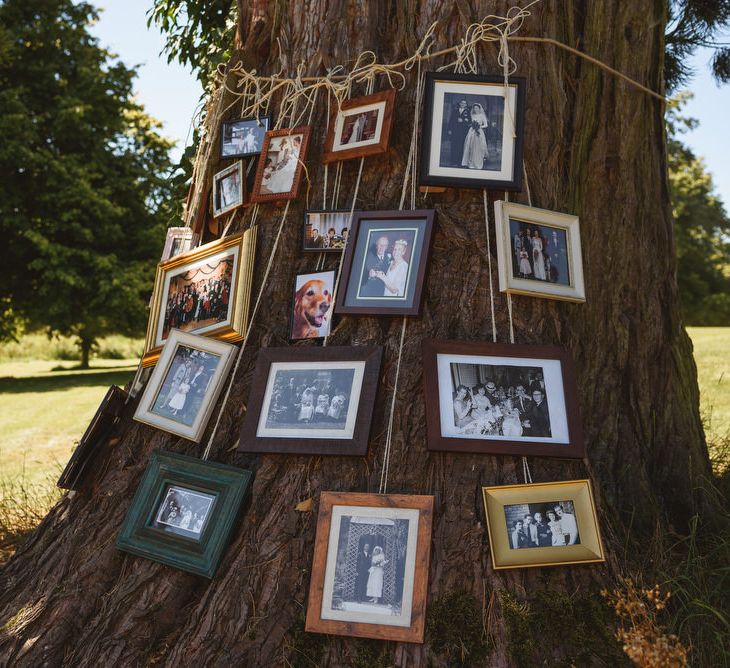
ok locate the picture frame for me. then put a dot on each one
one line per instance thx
(501, 399)
(178, 240)
(360, 127)
(281, 164)
(286, 413)
(243, 137)
(221, 272)
(184, 512)
(551, 266)
(323, 222)
(343, 591)
(379, 283)
(185, 383)
(555, 536)
(228, 189)
(467, 136)
(312, 305)
(95, 438)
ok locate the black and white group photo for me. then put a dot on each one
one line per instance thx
(186, 383)
(495, 400)
(183, 511)
(539, 252)
(244, 137)
(326, 230)
(198, 297)
(370, 566)
(310, 399)
(471, 131)
(549, 524)
(385, 268)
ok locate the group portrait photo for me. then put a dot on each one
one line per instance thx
(243, 137)
(326, 231)
(539, 252)
(545, 524)
(183, 512)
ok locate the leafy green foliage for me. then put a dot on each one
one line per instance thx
(701, 230)
(84, 196)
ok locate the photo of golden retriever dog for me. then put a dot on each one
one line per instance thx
(312, 305)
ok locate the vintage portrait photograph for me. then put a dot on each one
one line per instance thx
(314, 400)
(502, 399)
(326, 231)
(243, 137)
(469, 131)
(526, 522)
(178, 240)
(369, 556)
(360, 127)
(227, 189)
(280, 168)
(312, 308)
(538, 252)
(185, 384)
(183, 512)
(384, 266)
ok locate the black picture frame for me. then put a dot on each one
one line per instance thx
(266, 121)
(428, 178)
(296, 440)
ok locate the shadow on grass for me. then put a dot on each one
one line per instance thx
(90, 378)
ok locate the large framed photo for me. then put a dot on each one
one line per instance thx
(184, 511)
(325, 231)
(539, 252)
(542, 524)
(280, 168)
(385, 263)
(370, 570)
(360, 127)
(182, 390)
(472, 131)
(501, 399)
(312, 400)
(243, 137)
(206, 290)
(312, 309)
(228, 189)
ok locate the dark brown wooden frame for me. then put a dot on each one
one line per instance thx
(256, 195)
(387, 96)
(418, 214)
(294, 292)
(357, 445)
(415, 632)
(575, 449)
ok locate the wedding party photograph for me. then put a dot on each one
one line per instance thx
(539, 252)
(545, 524)
(183, 512)
(227, 189)
(312, 309)
(243, 137)
(280, 166)
(325, 231)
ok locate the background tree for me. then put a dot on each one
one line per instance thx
(84, 196)
(596, 148)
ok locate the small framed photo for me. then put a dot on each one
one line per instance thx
(360, 127)
(312, 400)
(385, 263)
(243, 137)
(280, 167)
(501, 399)
(184, 512)
(228, 189)
(312, 309)
(472, 130)
(95, 438)
(325, 231)
(538, 252)
(370, 570)
(183, 388)
(542, 524)
(206, 290)
(179, 240)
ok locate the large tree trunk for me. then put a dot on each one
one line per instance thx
(594, 146)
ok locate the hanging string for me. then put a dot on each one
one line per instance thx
(527, 184)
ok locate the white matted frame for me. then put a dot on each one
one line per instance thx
(194, 432)
(219, 207)
(504, 212)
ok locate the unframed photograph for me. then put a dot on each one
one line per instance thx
(243, 137)
(326, 231)
(312, 309)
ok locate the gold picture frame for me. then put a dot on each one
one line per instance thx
(588, 548)
(240, 249)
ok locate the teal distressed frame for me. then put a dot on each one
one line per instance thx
(228, 484)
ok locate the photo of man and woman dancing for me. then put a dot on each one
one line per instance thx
(539, 252)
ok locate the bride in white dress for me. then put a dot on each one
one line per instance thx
(281, 179)
(538, 257)
(397, 275)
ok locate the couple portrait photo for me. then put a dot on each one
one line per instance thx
(228, 189)
(550, 524)
(280, 164)
(386, 267)
(183, 511)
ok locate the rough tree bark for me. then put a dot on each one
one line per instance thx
(595, 147)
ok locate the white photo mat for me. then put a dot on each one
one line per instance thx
(340, 124)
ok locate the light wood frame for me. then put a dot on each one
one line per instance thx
(237, 167)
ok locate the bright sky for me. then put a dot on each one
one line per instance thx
(171, 94)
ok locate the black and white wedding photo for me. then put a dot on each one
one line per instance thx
(243, 137)
(183, 512)
(544, 524)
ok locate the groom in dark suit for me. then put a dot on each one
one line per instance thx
(377, 260)
(539, 415)
(364, 561)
